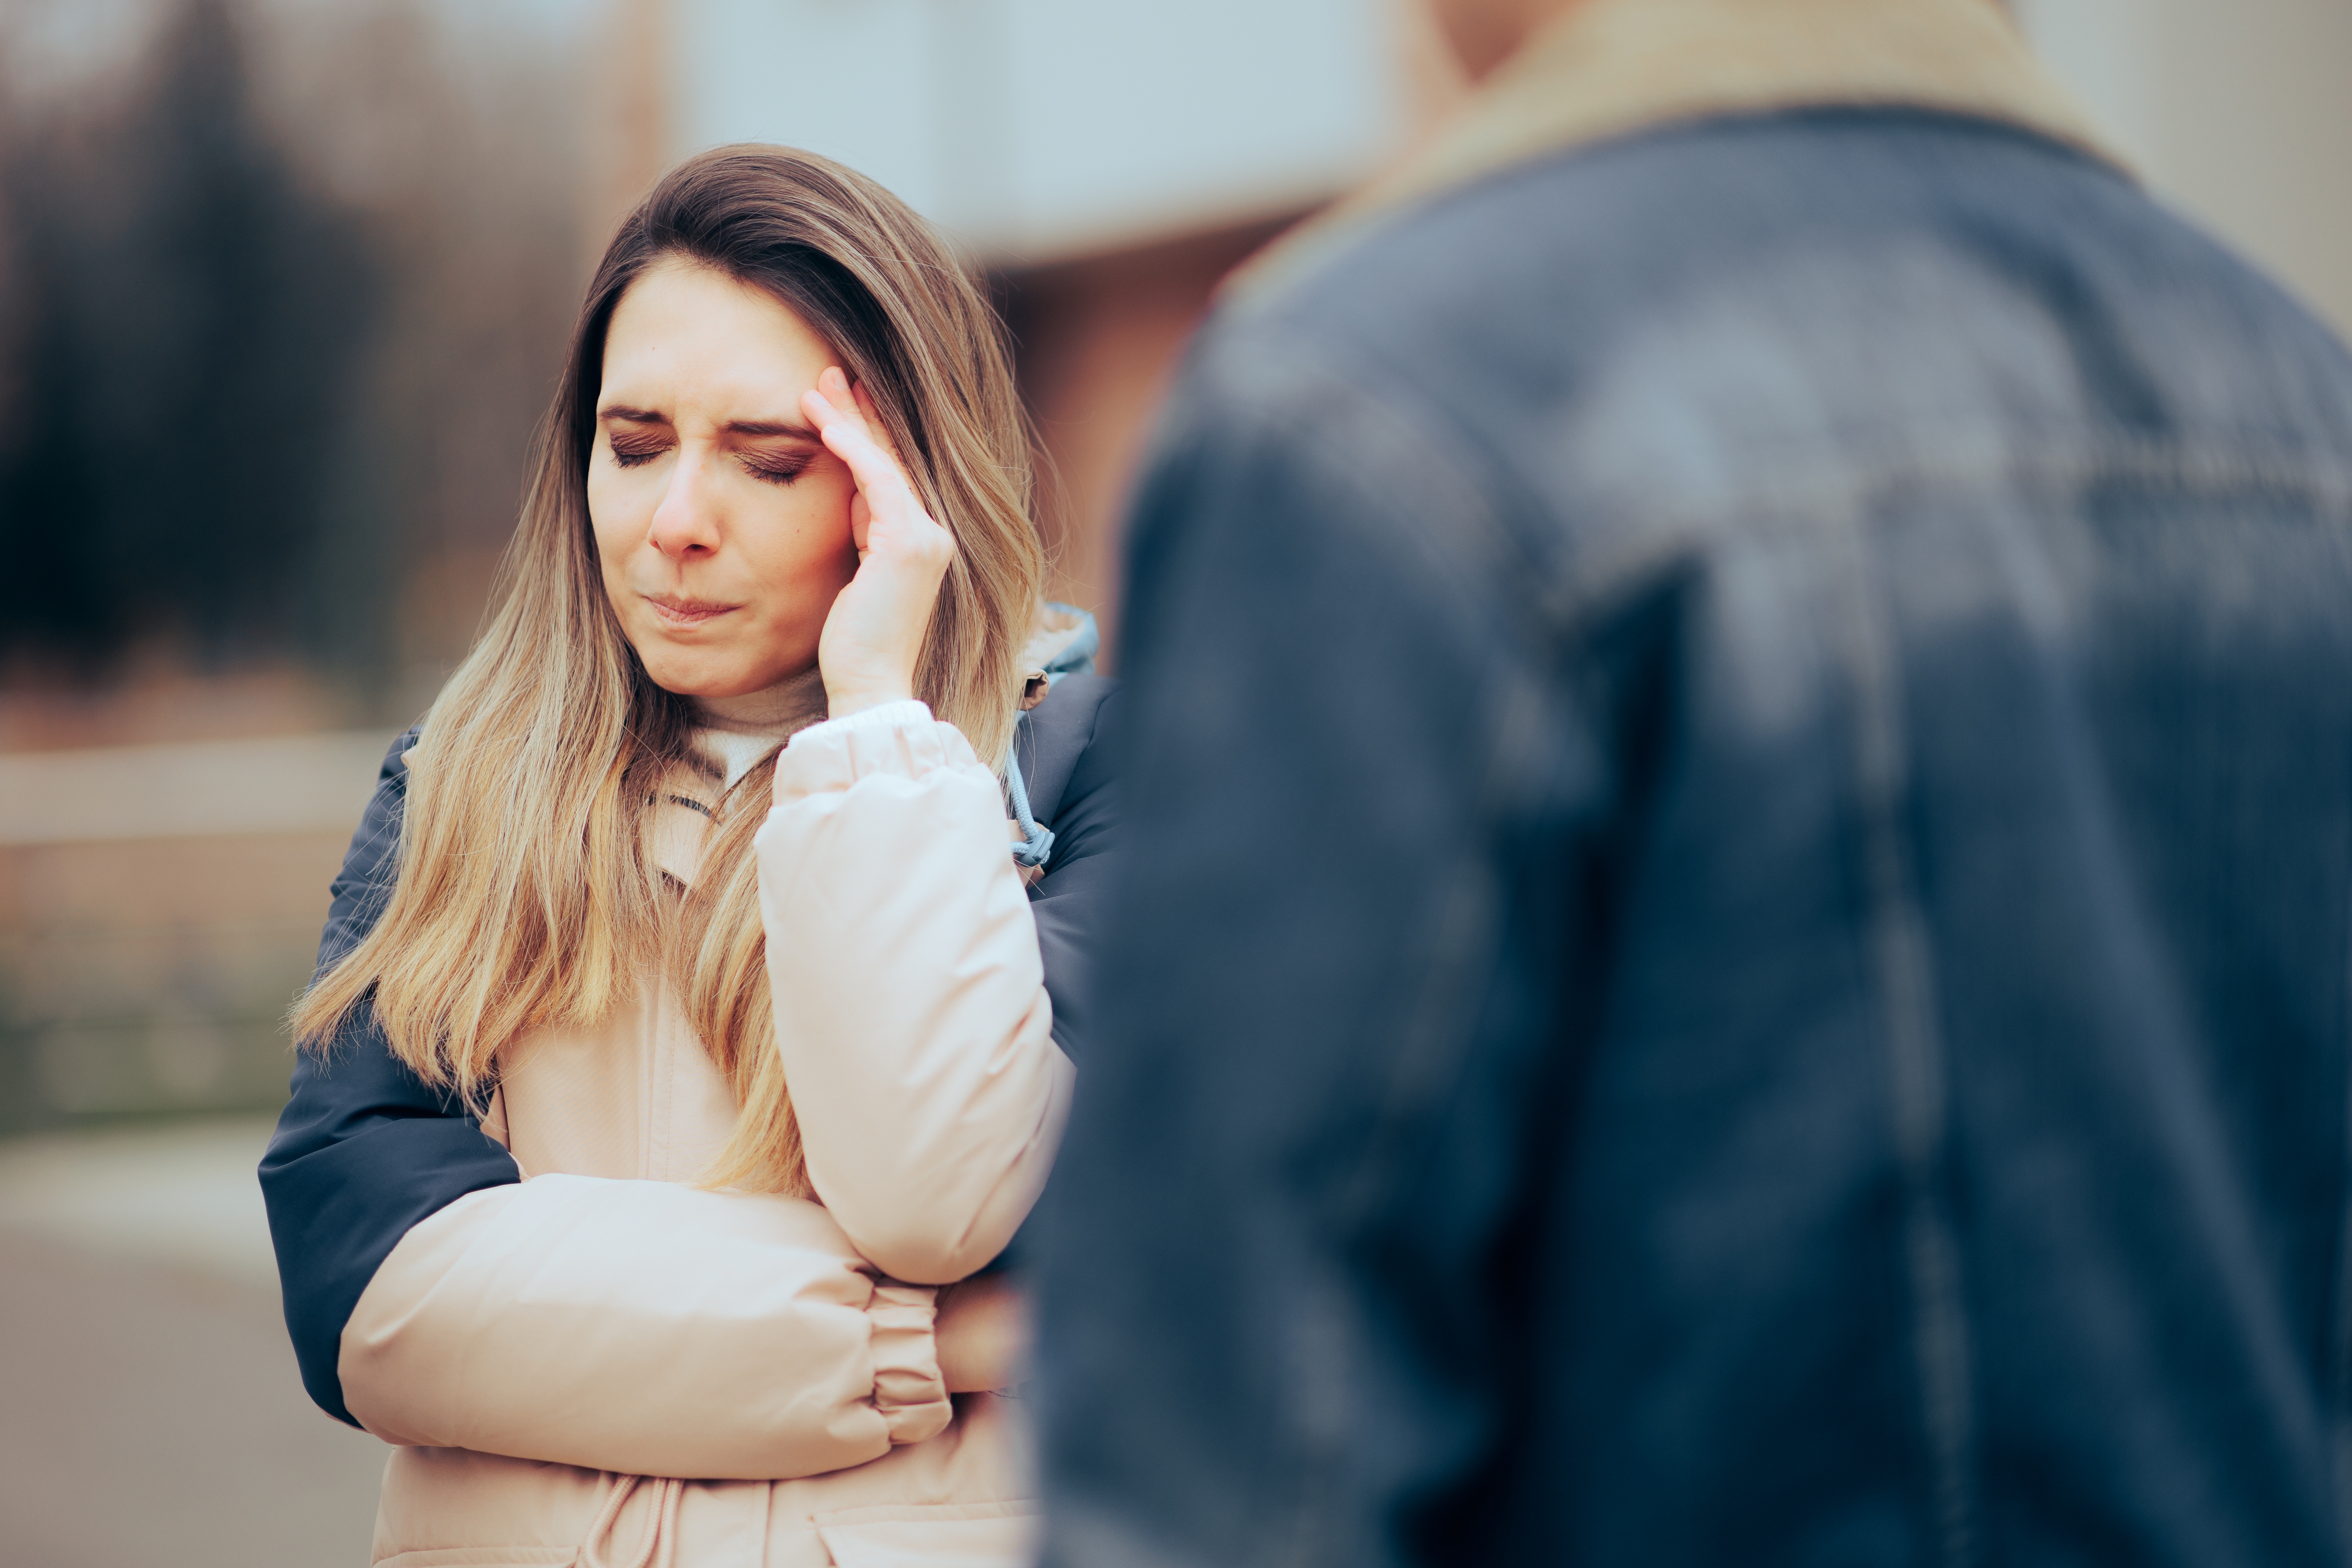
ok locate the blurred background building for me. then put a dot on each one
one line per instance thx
(1105, 163)
(283, 286)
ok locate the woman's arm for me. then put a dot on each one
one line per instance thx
(912, 1020)
(911, 1013)
(645, 1327)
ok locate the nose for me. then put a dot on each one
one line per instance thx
(685, 524)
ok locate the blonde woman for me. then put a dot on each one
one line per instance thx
(686, 1035)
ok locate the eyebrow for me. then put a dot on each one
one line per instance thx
(794, 431)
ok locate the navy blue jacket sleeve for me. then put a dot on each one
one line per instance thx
(1064, 749)
(1067, 749)
(365, 1149)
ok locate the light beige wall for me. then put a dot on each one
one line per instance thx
(2239, 112)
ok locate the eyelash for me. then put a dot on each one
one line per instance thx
(778, 473)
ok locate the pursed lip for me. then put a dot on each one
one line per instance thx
(674, 611)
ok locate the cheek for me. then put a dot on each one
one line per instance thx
(608, 515)
(805, 538)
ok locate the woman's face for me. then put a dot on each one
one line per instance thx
(721, 520)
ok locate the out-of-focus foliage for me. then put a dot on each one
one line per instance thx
(283, 286)
(281, 295)
(188, 316)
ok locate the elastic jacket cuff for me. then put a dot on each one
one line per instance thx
(908, 1391)
(881, 716)
(895, 738)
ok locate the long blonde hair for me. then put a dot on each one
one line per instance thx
(527, 895)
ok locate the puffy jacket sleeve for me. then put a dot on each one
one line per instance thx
(911, 1014)
(645, 1327)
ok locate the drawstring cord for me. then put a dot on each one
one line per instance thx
(661, 1523)
(1036, 843)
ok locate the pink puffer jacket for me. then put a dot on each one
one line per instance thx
(541, 1349)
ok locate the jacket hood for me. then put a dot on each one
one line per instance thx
(1063, 642)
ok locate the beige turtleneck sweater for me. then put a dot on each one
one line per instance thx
(736, 731)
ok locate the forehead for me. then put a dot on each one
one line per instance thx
(684, 333)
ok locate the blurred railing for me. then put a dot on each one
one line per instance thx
(160, 907)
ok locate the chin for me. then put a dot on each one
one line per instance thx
(701, 665)
(707, 677)
(704, 685)
(700, 678)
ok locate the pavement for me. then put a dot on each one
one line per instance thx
(150, 1410)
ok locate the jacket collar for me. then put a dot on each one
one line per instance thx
(1608, 67)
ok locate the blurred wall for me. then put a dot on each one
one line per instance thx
(1107, 164)
(1038, 130)
(2239, 112)
(1097, 336)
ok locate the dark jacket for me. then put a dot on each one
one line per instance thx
(365, 1149)
(1736, 943)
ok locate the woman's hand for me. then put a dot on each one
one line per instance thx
(874, 635)
(983, 1334)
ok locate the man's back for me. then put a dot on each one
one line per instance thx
(1743, 900)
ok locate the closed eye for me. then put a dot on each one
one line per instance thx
(634, 448)
(778, 468)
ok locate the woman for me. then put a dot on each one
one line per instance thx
(685, 1041)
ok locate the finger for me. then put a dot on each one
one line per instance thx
(834, 387)
(871, 417)
(848, 436)
(828, 403)
(861, 523)
(854, 403)
(870, 420)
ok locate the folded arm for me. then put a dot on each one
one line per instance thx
(911, 1011)
(644, 1327)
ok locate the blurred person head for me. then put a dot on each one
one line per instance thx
(675, 480)
(1483, 34)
